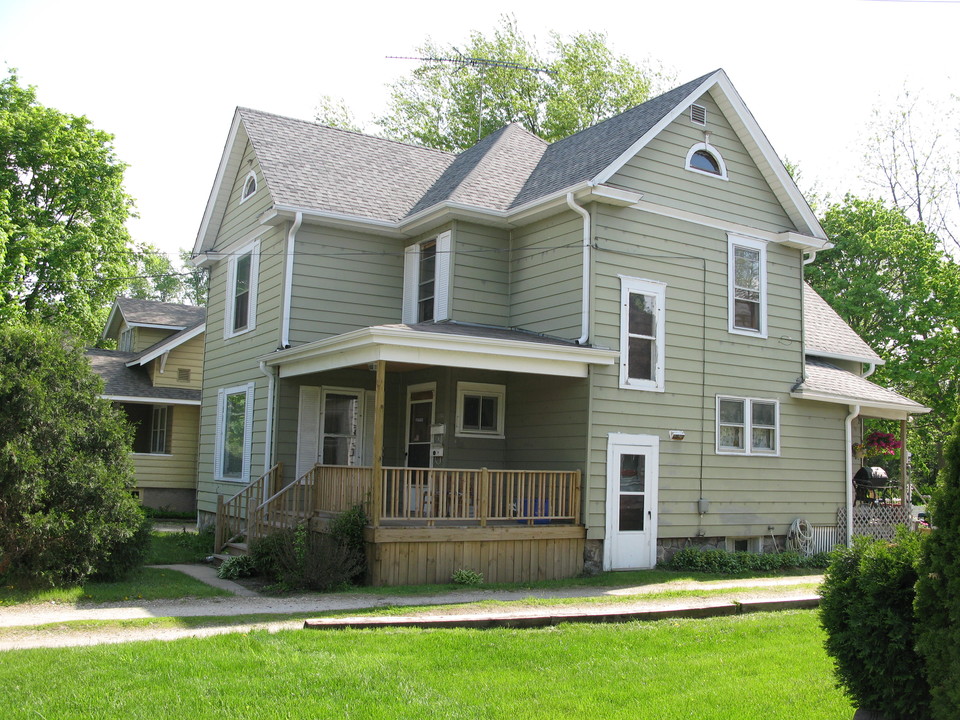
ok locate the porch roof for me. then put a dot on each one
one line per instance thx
(827, 383)
(442, 344)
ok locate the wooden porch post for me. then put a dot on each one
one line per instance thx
(904, 480)
(376, 494)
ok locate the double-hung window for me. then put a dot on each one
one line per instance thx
(233, 433)
(642, 315)
(241, 311)
(426, 281)
(747, 286)
(152, 426)
(480, 409)
(747, 426)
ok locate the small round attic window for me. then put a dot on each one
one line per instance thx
(702, 160)
(249, 186)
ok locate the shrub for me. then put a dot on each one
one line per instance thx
(236, 567)
(467, 577)
(126, 554)
(866, 609)
(66, 511)
(299, 559)
(347, 530)
(723, 562)
(938, 588)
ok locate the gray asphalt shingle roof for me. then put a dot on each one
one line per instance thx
(151, 312)
(824, 379)
(825, 332)
(121, 381)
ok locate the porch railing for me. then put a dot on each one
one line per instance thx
(479, 496)
(233, 514)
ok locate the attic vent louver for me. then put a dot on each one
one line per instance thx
(698, 114)
(183, 374)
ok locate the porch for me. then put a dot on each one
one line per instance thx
(426, 523)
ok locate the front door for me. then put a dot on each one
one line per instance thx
(419, 420)
(632, 473)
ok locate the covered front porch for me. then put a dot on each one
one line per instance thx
(463, 445)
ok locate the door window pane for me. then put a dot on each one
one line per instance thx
(631, 512)
(632, 473)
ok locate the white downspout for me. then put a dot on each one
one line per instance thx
(869, 372)
(268, 440)
(288, 280)
(585, 301)
(848, 427)
(812, 255)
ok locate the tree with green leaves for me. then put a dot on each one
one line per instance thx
(64, 249)
(938, 588)
(891, 280)
(66, 512)
(454, 98)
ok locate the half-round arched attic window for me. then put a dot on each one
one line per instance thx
(705, 159)
(249, 186)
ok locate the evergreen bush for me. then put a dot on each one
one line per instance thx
(66, 511)
(298, 559)
(938, 588)
(866, 608)
(714, 560)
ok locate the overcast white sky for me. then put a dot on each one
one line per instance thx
(164, 78)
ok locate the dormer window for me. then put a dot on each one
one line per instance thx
(125, 344)
(249, 186)
(705, 159)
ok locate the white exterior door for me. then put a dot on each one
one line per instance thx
(632, 474)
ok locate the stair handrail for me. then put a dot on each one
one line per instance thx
(239, 506)
(272, 513)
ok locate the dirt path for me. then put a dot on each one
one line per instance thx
(18, 624)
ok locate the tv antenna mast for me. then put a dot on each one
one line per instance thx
(481, 63)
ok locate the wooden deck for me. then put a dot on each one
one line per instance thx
(426, 523)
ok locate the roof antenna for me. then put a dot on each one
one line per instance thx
(480, 63)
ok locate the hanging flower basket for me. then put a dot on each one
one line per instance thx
(876, 443)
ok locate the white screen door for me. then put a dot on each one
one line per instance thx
(632, 474)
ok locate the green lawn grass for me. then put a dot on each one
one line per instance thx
(758, 666)
(171, 548)
(142, 584)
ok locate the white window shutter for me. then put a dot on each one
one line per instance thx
(218, 438)
(308, 429)
(247, 432)
(441, 298)
(411, 279)
(369, 418)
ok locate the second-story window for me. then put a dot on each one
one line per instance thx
(125, 344)
(748, 286)
(642, 334)
(426, 281)
(241, 310)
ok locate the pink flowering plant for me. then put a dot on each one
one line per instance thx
(882, 443)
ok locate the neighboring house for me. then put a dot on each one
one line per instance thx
(156, 375)
(528, 356)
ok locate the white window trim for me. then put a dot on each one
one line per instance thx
(659, 291)
(734, 241)
(483, 390)
(716, 156)
(253, 249)
(748, 427)
(219, 439)
(125, 340)
(244, 195)
(411, 279)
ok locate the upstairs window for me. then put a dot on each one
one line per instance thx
(241, 311)
(426, 281)
(642, 316)
(125, 343)
(249, 186)
(747, 286)
(705, 159)
(747, 426)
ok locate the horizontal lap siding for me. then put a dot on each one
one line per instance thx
(546, 275)
(546, 422)
(188, 356)
(179, 468)
(233, 361)
(481, 279)
(659, 173)
(746, 494)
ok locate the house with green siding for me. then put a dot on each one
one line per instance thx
(155, 376)
(527, 359)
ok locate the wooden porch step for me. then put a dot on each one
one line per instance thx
(236, 548)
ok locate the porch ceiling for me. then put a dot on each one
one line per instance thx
(444, 345)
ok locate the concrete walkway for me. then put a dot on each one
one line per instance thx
(530, 608)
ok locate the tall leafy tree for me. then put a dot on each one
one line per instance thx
(64, 248)
(891, 280)
(451, 105)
